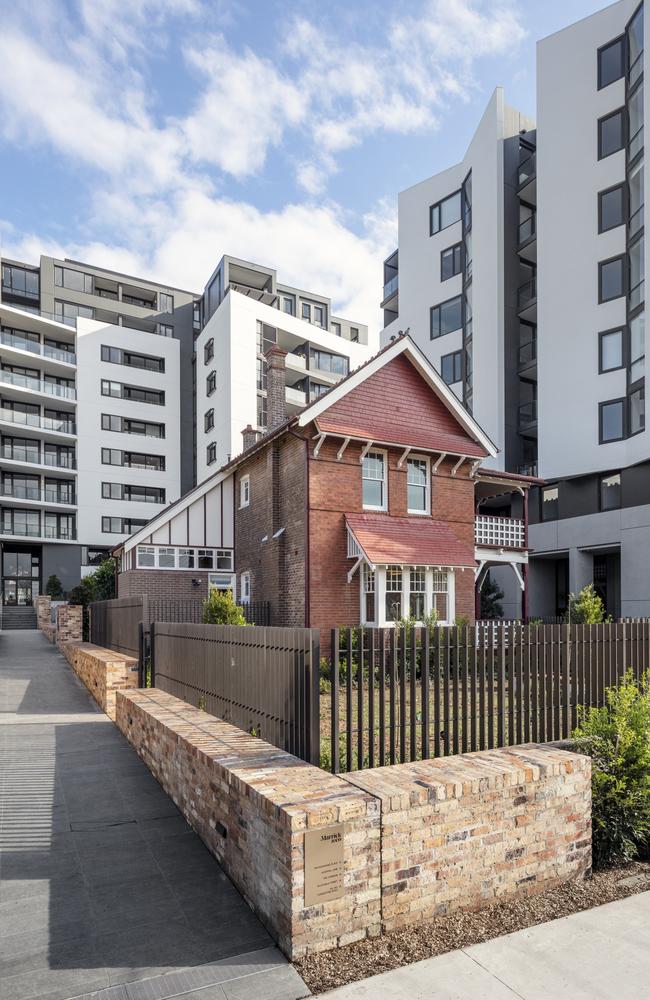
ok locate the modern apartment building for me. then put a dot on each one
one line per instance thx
(98, 398)
(521, 273)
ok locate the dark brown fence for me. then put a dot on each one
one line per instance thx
(264, 680)
(406, 694)
(116, 624)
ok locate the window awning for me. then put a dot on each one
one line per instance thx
(408, 541)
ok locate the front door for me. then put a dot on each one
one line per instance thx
(21, 570)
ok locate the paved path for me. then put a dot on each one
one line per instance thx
(104, 889)
(594, 955)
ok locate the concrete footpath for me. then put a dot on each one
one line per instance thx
(105, 891)
(600, 953)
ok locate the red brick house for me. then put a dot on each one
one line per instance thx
(369, 505)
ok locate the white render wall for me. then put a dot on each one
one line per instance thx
(420, 286)
(569, 177)
(234, 329)
(91, 335)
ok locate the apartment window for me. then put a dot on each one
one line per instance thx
(336, 329)
(112, 491)
(393, 593)
(124, 425)
(326, 362)
(417, 592)
(208, 350)
(451, 261)
(165, 302)
(635, 183)
(262, 415)
(446, 317)
(135, 393)
(611, 279)
(117, 356)
(637, 347)
(306, 311)
(637, 411)
(610, 492)
(67, 277)
(245, 588)
(635, 117)
(611, 62)
(196, 314)
(635, 47)
(610, 354)
(451, 367)
(374, 480)
(211, 383)
(211, 453)
(444, 213)
(26, 523)
(611, 133)
(133, 459)
(266, 336)
(611, 208)
(611, 420)
(20, 282)
(319, 314)
(121, 525)
(368, 594)
(636, 256)
(67, 312)
(21, 449)
(354, 334)
(208, 420)
(288, 305)
(550, 497)
(244, 491)
(164, 330)
(417, 481)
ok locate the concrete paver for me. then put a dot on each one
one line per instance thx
(104, 888)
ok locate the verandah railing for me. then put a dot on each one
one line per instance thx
(406, 694)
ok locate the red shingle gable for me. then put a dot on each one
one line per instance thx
(396, 405)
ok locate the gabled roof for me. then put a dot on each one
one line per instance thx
(408, 541)
(386, 428)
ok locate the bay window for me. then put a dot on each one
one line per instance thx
(417, 593)
(393, 593)
(368, 595)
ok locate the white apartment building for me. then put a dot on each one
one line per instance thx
(245, 311)
(521, 274)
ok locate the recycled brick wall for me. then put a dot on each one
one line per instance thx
(69, 623)
(463, 832)
(251, 804)
(43, 606)
(103, 671)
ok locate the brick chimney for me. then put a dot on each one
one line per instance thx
(250, 436)
(276, 381)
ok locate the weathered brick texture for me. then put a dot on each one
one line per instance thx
(462, 832)
(251, 803)
(69, 623)
(43, 606)
(163, 583)
(103, 671)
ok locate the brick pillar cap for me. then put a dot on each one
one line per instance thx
(275, 353)
(249, 430)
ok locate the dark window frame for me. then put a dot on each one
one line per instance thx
(208, 420)
(622, 257)
(600, 480)
(622, 111)
(211, 383)
(211, 453)
(208, 351)
(640, 388)
(622, 186)
(610, 402)
(452, 249)
(454, 355)
(620, 40)
(439, 305)
(556, 515)
(605, 333)
(437, 204)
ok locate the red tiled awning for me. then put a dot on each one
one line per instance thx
(410, 541)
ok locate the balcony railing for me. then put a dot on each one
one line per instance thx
(500, 532)
(35, 347)
(528, 470)
(527, 413)
(37, 385)
(527, 353)
(54, 461)
(527, 170)
(34, 420)
(35, 493)
(391, 286)
(34, 531)
(526, 230)
(527, 294)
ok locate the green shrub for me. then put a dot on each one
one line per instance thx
(617, 738)
(585, 608)
(220, 608)
(491, 597)
(54, 588)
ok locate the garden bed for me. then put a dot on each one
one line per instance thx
(328, 970)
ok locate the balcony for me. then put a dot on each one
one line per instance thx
(500, 532)
(53, 424)
(527, 239)
(31, 458)
(35, 347)
(527, 358)
(34, 494)
(527, 417)
(527, 299)
(527, 179)
(37, 385)
(528, 470)
(34, 531)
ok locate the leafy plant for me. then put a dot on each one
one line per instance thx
(220, 608)
(54, 588)
(104, 580)
(491, 597)
(617, 738)
(586, 608)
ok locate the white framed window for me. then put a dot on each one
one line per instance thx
(374, 480)
(393, 593)
(205, 559)
(146, 557)
(417, 592)
(368, 599)
(167, 557)
(224, 559)
(440, 594)
(244, 491)
(245, 588)
(417, 486)
(222, 581)
(186, 558)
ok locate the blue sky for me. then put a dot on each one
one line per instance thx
(153, 136)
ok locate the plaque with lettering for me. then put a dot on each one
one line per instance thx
(324, 865)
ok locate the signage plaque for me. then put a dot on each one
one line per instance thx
(324, 865)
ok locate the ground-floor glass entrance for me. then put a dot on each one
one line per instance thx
(21, 575)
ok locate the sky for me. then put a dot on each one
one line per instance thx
(153, 136)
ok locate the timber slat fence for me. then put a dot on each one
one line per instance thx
(405, 694)
(263, 680)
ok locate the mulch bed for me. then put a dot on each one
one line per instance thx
(459, 930)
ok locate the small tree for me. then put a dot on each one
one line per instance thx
(54, 588)
(586, 608)
(103, 579)
(491, 597)
(220, 609)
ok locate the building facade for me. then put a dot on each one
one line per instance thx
(537, 321)
(365, 507)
